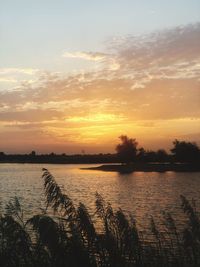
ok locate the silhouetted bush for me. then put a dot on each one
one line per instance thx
(127, 150)
(185, 151)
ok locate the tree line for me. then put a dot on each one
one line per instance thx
(127, 151)
(182, 151)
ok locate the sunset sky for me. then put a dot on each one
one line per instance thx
(75, 75)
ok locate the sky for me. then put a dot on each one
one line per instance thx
(75, 75)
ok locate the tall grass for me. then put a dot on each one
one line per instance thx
(70, 238)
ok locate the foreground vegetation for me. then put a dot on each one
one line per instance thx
(70, 237)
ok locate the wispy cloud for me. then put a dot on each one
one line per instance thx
(147, 85)
(28, 71)
(13, 78)
(91, 56)
(7, 80)
(97, 118)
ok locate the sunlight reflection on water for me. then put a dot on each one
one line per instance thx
(141, 194)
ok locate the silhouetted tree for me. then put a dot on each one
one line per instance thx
(2, 156)
(151, 156)
(127, 150)
(33, 153)
(185, 151)
(162, 156)
(141, 154)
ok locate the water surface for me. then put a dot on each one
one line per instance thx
(141, 194)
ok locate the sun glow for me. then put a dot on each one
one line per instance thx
(85, 90)
(97, 118)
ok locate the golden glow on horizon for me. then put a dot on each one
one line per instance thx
(101, 129)
(100, 136)
(145, 88)
(96, 118)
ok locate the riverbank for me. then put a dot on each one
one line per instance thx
(147, 167)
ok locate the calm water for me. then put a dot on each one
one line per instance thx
(142, 194)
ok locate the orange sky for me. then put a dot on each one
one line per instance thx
(147, 87)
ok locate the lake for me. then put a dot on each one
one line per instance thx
(140, 193)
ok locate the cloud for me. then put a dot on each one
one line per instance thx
(7, 80)
(91, 56)
(97, 118)
(108, 61)
(28, 71)
(147, 86)
(11, 78)
(31, 116)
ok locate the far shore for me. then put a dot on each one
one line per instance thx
(147, 167)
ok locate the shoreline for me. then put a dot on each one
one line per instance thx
(147, 167)
(123, 168)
